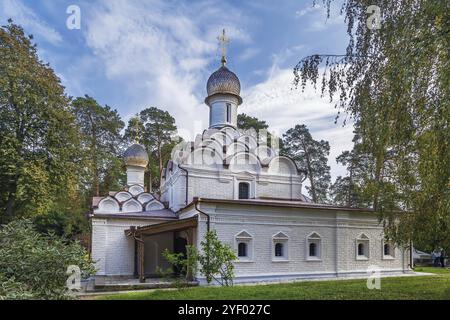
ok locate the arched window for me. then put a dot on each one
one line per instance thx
(242, 249)
(244, 246)
(312, 249)
(244, 190)
(228, 112)
(278, 249)
(387, 249)
(360, 249)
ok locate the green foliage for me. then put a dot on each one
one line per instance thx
(36, 264)
(99, 128)
(248, 123)
(394, 81)
(183, 264)
(216, 260)
(312, 155)
(36, 168)
(350, 190)
(245, 122)
(13, 290)
(156, 130)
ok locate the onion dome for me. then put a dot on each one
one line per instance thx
(224, 81)
(136, 155)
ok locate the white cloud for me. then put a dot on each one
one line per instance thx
(24, 16)
(276, 101)
(161, 52)
(317, 17)
(307, 10)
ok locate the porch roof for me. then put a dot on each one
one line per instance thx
(176, 225)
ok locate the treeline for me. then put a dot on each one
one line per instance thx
(57, 152)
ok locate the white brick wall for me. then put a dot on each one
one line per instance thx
(338, 230)
(222, 185)
(112, 250)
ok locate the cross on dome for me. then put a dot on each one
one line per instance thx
(224, 40)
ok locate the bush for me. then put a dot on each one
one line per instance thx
(13, 290)
(35, 263)
(184, 265)
(216, 260)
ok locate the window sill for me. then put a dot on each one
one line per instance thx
(388, 258)
(244, 261)
(314, 259)
(281, 260)
(362, 258)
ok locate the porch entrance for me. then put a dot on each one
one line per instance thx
(152, 240)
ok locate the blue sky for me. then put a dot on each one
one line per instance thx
(135, 54)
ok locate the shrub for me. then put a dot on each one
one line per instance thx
(37, 263)
(216, 261)
(10, 289)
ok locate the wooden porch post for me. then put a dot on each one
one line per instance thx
(189, 240)
(140, 260)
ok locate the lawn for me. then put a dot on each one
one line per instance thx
(392, 288)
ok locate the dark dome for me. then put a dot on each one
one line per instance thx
(223, 81)
(136, 155)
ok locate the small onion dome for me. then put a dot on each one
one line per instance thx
(136, 155)
(224, 81)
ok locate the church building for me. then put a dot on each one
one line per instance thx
(234, 182)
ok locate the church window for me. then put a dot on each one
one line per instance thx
(314, 247)
(242, 249)
(278, 250)
(228, 112)
(244, 190)
(244, 246)
(388, 251)
(280, 246)
(362, 247)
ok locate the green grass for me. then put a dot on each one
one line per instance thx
(433, 270)
(392, 288)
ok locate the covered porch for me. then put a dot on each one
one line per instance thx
(152, 240)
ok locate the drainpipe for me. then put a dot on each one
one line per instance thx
(133, 230)
(208, 222)
(208, 218)
(187, 180)
(411, 258)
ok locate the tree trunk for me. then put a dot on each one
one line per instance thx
(160, 163)
(149, 182)
(311, 176)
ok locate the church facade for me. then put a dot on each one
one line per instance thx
(238, 184)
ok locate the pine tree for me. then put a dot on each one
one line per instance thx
(311, 155)
(99, 128)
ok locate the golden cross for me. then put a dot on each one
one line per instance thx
(224, 40)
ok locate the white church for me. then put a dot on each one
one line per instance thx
(235, 183)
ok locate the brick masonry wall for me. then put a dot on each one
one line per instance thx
(112, 251)
(338, 231)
